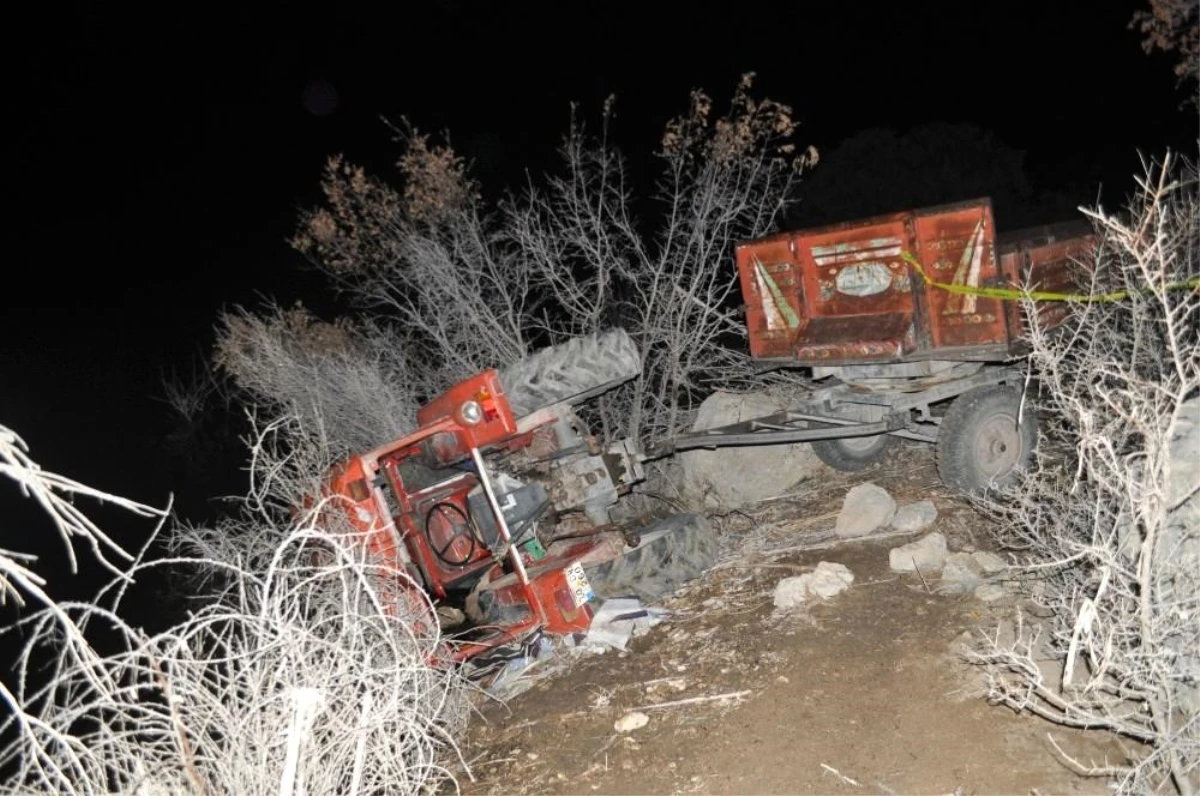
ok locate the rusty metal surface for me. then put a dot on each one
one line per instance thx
(958, 247)
(787, 426)
(761, 264)
(842, 294)
(831, 416)
(1052, 258)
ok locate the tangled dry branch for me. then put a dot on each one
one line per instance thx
(1111, 520)
(297, 673)
(474, 286)
(354, 383)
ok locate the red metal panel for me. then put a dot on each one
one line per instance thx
(1052, 259)
(770, 289)
(1012, 265)
(1060, 266)
(843, 294)
(957, 245)
(497, 423)
(858, 293)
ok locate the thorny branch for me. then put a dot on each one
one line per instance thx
(1110, 522)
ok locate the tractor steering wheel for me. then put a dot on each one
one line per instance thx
(452, 516)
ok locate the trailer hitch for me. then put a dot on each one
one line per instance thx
(774, 429)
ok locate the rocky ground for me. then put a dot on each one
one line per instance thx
(823, 654)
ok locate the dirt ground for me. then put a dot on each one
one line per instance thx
(865, 693)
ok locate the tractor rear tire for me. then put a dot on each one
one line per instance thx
(672, 552)
(980, 443)
(852, 454)
(574, 371)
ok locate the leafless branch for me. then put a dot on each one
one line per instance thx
(297, 673)
(1110, 521)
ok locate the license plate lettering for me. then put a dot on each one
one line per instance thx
(577, 582)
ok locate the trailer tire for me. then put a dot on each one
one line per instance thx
(851, 454)
(981, 444)
(672, 552)
(574, 371)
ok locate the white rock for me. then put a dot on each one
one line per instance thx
(989, 562)
(915, 516)
(792, 592)
(742, 475)
(827, 580)
(631, 721)
(961, 573)
(866, 508)
(927, 554)
(989, 592)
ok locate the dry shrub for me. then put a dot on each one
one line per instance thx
(476, 286)
(1109, 524)
(350, 383)
(293, 673)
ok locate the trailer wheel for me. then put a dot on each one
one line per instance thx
(851, 454)
(574, 371)
(671, 552)
(984, 439)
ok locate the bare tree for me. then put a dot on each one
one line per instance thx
(475, 287)
(426, 258)
(669, 278)
(1110, 522)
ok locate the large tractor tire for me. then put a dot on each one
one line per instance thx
(985, 439)
(574, 371)
(671, 552)
(851, 454)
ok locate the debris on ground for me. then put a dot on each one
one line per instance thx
(631, 721)
(614, 623)
(517, 675)
(915, 516)
(617, 620)
(927, 554)
(867, 507)
(732, 697)
(827, 580)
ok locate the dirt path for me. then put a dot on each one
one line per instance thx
(863, 694)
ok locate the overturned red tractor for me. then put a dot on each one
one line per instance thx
(497, 506)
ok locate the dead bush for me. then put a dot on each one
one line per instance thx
(1110, 521)
(476, 286)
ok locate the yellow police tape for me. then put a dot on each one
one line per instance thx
(1012, 294)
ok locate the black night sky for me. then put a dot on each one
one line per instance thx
(162, 152)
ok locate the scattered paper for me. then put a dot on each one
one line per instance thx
(619, 619)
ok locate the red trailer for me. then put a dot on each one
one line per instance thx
(892, 316)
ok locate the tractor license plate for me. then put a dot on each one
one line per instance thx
(577, 582)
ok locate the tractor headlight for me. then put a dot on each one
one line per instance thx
(471, 412)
